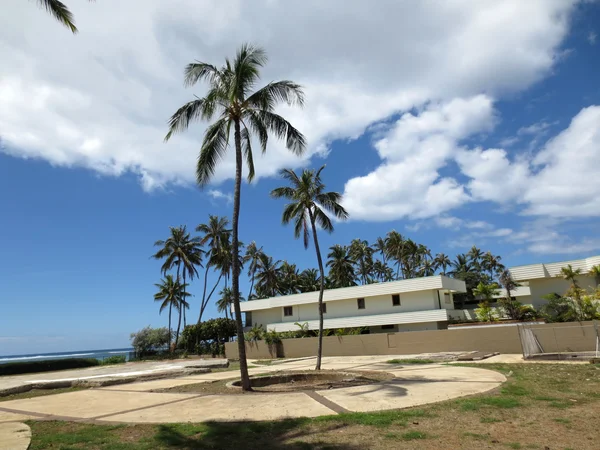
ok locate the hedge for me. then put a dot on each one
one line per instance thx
(16, 368)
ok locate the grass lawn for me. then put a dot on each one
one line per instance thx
(541, 406)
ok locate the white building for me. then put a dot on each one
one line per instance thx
(407, 305)
(537, 280)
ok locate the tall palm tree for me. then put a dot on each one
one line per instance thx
(289, 281)
(231, 100)
(252, 256)
(171, 293)
(382, 271)
(225, 301)
(341, 267)
(61, 12)
(380, 246)
(216, 235)
(362, 254)
(394, 243)
(492, 264)
(508, 283)
(267, 275)
(307, 207)
(475, 254)
(310, 280)
(442, 261)
(184, 252)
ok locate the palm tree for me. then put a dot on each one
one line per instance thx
(394, 243)
(307, 205)
(570, 274)
(475, 254)
(487, 291)
(362, 254)
(442, 261)
(267, 275)
(381, 247)
(382, 271)
(172, 294)
(289, 281)
(252, 256)
(225, 301)
(595, 272)
(492, 264)
(61, 12)
(216, 236)
(341, 267)
(230, 98)
(309, 280)
(183, 251)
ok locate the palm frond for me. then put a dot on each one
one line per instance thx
(258, 127)
(61, 12)
(282, 129)
(247, 150)
(283, 192)
(180, 121)
(330, 201)
(322, 220)
(275, 92)
(213, 150)
(198, 70)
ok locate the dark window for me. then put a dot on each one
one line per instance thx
(387, 327)
(361, 303)
(324, 307)
(396, 300)
(287, 311)
(249, 319)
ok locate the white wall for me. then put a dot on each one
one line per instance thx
(544, 286)
(381, 304)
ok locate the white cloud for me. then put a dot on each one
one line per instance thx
(101, 99)
(592, 36)
(219, 195)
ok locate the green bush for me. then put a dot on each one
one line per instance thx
(17, 368)
(150, 340)
(115, 359)
(208, 338)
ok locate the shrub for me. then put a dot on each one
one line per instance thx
(485, 312)
(207, 338)
(150, 340)
(115, 359)
(16, 368)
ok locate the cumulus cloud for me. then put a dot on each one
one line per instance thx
(216, 194)
(101, 99)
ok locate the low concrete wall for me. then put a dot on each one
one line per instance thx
(503, 339)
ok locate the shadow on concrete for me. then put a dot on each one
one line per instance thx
(280, 435)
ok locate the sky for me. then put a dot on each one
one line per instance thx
(456, 123)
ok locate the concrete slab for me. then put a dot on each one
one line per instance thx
(148, 386)
(253, 407)
(90, 403)
(416, 387)
(15, 436)
(12, 417)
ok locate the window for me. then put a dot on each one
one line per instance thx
(288, 311)
(447, 298)
(396, 300)
(361, 303)
(387, 327)
(324, 308)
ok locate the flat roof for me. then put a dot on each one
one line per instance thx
(437, 282)
(548, 270)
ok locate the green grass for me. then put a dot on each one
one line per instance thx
(412, 361)
(476, 403)
(478, 436)
(490, 420)
(380, 419)
(515, 445)
(413, 435)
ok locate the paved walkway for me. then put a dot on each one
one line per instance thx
(136, 403)
(101, 375)
(15, 436)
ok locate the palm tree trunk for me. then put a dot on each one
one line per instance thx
(321, 289)
(235, 282)
(178, 325)
(170, 334)
(184, 297)
(205, 302)
(251, 284)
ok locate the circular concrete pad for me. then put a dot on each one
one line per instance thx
(15, 436)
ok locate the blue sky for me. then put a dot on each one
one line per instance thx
(481, 130)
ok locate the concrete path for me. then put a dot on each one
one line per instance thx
(102, 375)
(14, 436)
(136, 403)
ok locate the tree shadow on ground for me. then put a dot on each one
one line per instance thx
(291, 434)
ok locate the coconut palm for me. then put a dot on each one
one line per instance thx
(231, 100)
(595, 272)
(309, 280)
(381, 247)
(442, 261)
(475, 254)
(492, 264)
(570, 274)
(362, 254)
(267, 275)
(171, 293)
(394, 243)
(216, 235)
(184, 252)
(61, 12)
(307, 208)
(289, 280)
(225, 301)
(252, 256)
(486, 291)
(382, 271)
(341, 267)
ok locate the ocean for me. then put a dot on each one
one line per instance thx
(98, 354)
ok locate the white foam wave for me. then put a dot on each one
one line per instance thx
(26, 358)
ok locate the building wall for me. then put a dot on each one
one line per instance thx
(381, 304)
(543, 286)
(504, 339)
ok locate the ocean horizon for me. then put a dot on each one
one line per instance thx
(97, 354)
